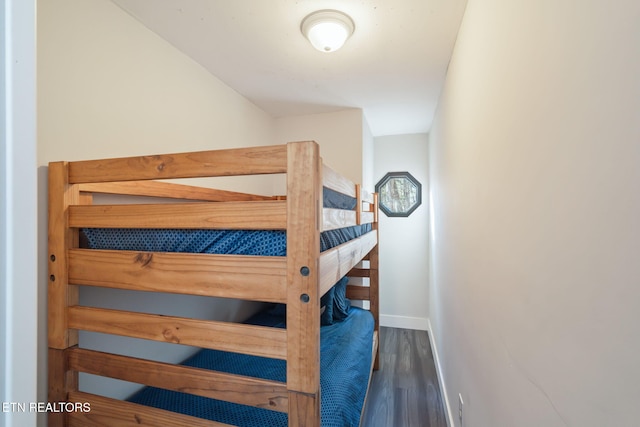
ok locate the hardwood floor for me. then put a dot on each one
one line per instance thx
(404, 392)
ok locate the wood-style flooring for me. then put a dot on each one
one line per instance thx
(405, 391)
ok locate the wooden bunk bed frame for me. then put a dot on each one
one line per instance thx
(297, 280)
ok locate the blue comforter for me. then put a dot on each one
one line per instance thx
(237, 242)
(344, 375)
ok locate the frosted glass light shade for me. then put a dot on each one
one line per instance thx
(327, 30)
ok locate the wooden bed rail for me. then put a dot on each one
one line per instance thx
(298, 280)
(107, 412)
(256, 215)
(333, 180)
(230, 276)
(225, 336)
(200, 382)
(170, 191)
(230, 162)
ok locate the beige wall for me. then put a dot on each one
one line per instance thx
(339, 134)
(534, 176)
(108, 87)
(368, 156)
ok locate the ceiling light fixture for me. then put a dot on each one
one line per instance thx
(327, 30)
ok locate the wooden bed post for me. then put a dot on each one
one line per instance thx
(304, 208)
(61, 295)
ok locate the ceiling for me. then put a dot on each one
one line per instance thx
(393, 67)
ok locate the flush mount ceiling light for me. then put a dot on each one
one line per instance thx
(327, 30)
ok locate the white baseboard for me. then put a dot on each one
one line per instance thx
(404, 322)
(443, 387)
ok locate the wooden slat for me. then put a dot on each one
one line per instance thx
(304, 207)
(375, 208)
(337, 218)
(359, 272)
(303, 409)
(86, 198)
(231, 276)
(169, 190)
(238, 161)
(61, 382)
(367, 218)
(337, 182)
(261, 215)
(338, 261)
(56, 378)
(225, 336)
(374, 348)
(366, 196)
(61, 238)
(374, 285)
(358, 204)
(358, 292)
(201, 382)
(105, 411)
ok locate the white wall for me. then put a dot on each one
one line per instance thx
(404, 242)
(4, 308)
(534, 183)
(108, 87)
(18, 279)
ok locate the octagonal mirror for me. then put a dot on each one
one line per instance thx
(399, 194)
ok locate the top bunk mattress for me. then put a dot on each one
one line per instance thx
(236, 242)
(233, 242)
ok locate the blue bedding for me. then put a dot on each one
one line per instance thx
(344, 375)
(236, 242)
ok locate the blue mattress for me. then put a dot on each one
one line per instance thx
(344, 375)
(236, 242)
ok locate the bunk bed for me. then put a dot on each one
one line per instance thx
(296, 340)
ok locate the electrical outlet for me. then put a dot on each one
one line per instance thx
(460, 407)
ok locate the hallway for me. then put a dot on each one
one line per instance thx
(405, 391)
